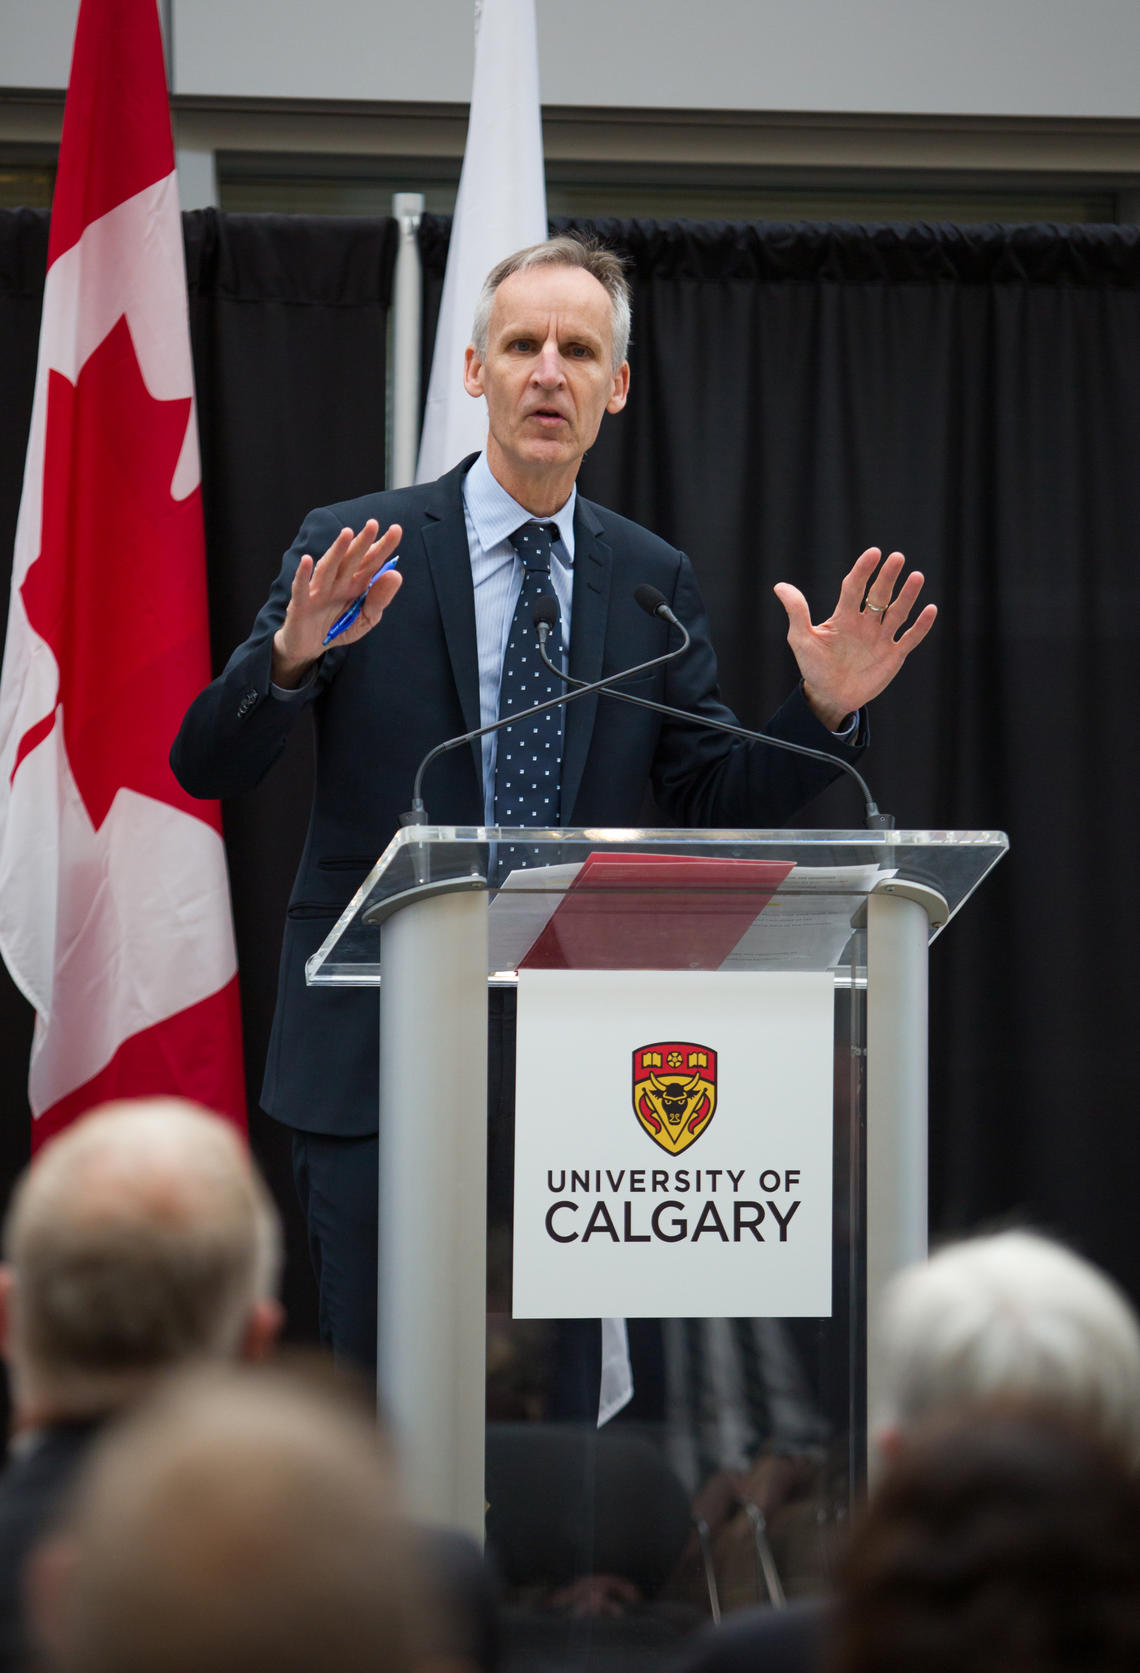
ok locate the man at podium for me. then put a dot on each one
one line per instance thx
(395, 660)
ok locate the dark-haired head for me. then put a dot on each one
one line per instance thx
(1003, 1538)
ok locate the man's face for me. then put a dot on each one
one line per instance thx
(548, 379)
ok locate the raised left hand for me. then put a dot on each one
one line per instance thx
(858, 650)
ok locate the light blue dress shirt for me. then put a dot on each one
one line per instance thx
(492, 516)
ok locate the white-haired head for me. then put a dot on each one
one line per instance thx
(1012, 1313)
(140, 1238)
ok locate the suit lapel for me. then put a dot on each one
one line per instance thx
(445, 541)
(593, 564)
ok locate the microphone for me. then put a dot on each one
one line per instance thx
(544, 616)
(655, 604)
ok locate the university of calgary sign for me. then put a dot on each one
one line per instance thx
(615, 1213)
(674, 1092)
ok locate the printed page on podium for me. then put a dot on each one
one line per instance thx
(673, 1144)
(676, 912)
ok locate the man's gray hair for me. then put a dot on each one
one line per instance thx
(565, 251)
(1017, 1314)
(140, 1237)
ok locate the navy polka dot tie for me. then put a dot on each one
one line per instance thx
(529, 759)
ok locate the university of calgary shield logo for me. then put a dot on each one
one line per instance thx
(674, 1092)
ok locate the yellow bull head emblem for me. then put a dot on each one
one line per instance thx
(674, 1092)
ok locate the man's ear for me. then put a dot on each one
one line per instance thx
(621, 388)
(264, 1325)
(472, 371)
(7, 1297)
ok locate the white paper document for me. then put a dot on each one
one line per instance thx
(673, 1145)
(807, 923)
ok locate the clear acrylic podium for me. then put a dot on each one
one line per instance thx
(428, 930)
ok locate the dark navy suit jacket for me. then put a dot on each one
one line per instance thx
(33, 1489)
(379, 706)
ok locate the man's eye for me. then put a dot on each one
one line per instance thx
(523, 345)
(579, 351)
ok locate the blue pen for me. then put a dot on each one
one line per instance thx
(354, 609)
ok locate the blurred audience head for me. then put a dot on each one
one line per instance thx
(237, 1521)
(1000, 1540)
(1010, 1314)
(141, 1237)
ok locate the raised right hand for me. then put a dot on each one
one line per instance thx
(323, 590)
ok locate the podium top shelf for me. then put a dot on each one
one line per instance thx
(714, 884)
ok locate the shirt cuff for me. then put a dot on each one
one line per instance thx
(293, 693)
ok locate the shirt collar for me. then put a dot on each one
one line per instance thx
(496, 516)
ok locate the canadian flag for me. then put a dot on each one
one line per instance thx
(114, 902)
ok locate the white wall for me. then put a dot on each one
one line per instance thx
(1049, 58)
(35, 42)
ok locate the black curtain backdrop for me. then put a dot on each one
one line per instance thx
(971, 396)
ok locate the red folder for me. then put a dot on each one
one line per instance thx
(654, 912)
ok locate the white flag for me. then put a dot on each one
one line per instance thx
(501, 208)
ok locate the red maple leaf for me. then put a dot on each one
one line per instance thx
(118, 588)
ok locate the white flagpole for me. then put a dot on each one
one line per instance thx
(407, 309)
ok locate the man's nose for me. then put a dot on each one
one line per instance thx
(548, 366)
